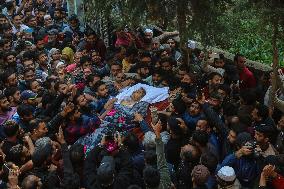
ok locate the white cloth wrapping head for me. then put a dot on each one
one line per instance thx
(153, 94)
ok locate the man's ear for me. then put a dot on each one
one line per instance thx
(10, 99)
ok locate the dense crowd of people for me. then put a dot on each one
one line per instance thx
(66, 122)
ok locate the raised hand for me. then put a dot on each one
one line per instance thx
(60, 136)
(157, 128)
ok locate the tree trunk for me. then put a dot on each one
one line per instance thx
(181, 10)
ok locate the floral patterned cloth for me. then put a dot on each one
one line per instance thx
(119, 119)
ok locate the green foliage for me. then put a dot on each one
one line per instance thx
(244, 26)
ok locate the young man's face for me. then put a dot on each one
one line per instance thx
(82, 101)
(12, 80)
(144, 72)
(35, 87)
(280, 124)
(11, 59)
(194, 109)
(156, 78)
(28, 76)
(29, 64)
(201, 125)
(232, 136)
(87, 65)
(32, 22)
(241, 62)
(216, 80)
(17, 20)
(7, 46)
(115, 69)
(102, 91)
(57, 15)
(42, 59)
(166, 66)
(3, 21)
(260, 138)
(17, 97)
(4, 105)
(96, 58)
(40, 44)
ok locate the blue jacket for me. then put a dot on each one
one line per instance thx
(246, 168)
(190, 121)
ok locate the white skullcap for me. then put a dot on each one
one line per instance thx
(46, 16)
(148, 31)
(227, 174)
(59, 64)
(191, 44)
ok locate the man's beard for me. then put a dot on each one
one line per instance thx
(6, 109)
(148, 40)
(86, 110)
(11, 65)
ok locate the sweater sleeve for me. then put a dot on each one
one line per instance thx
(70, 179)
(165, 181)
(215, 120)
(278, 182)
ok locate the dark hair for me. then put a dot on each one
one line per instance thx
(25, 110)
(28, 70)
(200, 137)
(237, 127)
(262, 111)
(151, 177)
(179, 106)
(9, 53)
(15, 154)
(213, 74)
(134, 187)
(28, 55)
(33, 124)
(3, 16)
(168, 59)
(10, 128)
(41, 9)
(116, 64)
(29, 183)
(209, 160)
(29, 84)
(145, 54)
(248, 96)
(2, 96)
(84, 59)
(6, 74)
(40, 53)
(90, 78)
(90, 32)
(184, 67)
(13, 16)
(97, 85)
(131, 51)
(173, 124)
(236, 57)
(225, 88)
(132, 142)
(10, 91)
(221, 56)
(77, 154)
(150, 157)
(57, 84)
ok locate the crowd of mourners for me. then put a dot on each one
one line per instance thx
(62, 125)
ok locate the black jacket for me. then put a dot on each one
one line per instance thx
(124, 168)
